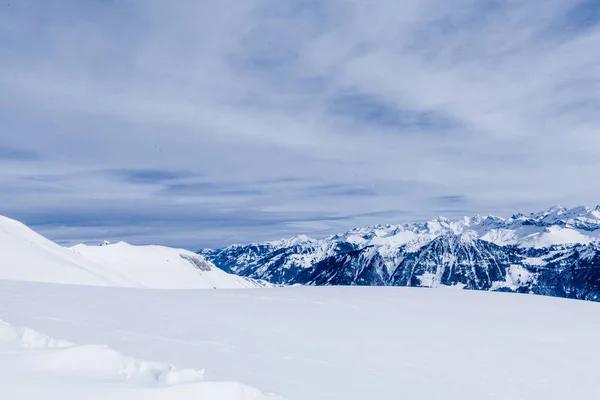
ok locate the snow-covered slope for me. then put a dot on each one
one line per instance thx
(163, 267)
(314, 343)
(473, 252)
(27, 256)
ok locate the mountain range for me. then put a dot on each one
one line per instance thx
(554, 252)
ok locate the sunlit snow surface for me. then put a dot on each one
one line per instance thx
(25, 255)
(34, 365)
(310, 343)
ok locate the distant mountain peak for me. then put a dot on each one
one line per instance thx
(557, 209)
(556, 252)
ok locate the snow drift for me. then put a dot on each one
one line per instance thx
(32, 362)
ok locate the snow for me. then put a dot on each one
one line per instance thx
(556, 226)
(34, 365)
(501, 237)
(280, 260)
(398, 239)
(28, 256)
(534, 236)
(428, 280)
(299, 239)
(355, 239)
(305, 343)
(161, 267)
(535, 261)
(555, 235)
(119, 337)
(516, 276)
(62, 357)
(539, 236)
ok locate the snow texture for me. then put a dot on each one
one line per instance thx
(310, 343)
(34, 365)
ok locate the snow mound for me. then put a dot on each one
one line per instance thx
(101, 361)
(40, 353)
(62, 357)
(29, 338)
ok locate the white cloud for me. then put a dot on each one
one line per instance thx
(495, 101)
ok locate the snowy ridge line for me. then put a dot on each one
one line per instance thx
(163, 267)
(489, 228)
(25, 255)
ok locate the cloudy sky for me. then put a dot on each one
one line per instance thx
(199, 123)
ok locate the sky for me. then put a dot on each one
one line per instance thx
(201, 124)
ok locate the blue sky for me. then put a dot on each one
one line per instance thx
(205, 124)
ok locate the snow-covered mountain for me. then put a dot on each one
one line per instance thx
(27, 256)
(555, 252)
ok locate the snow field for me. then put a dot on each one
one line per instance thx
(334, 343)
